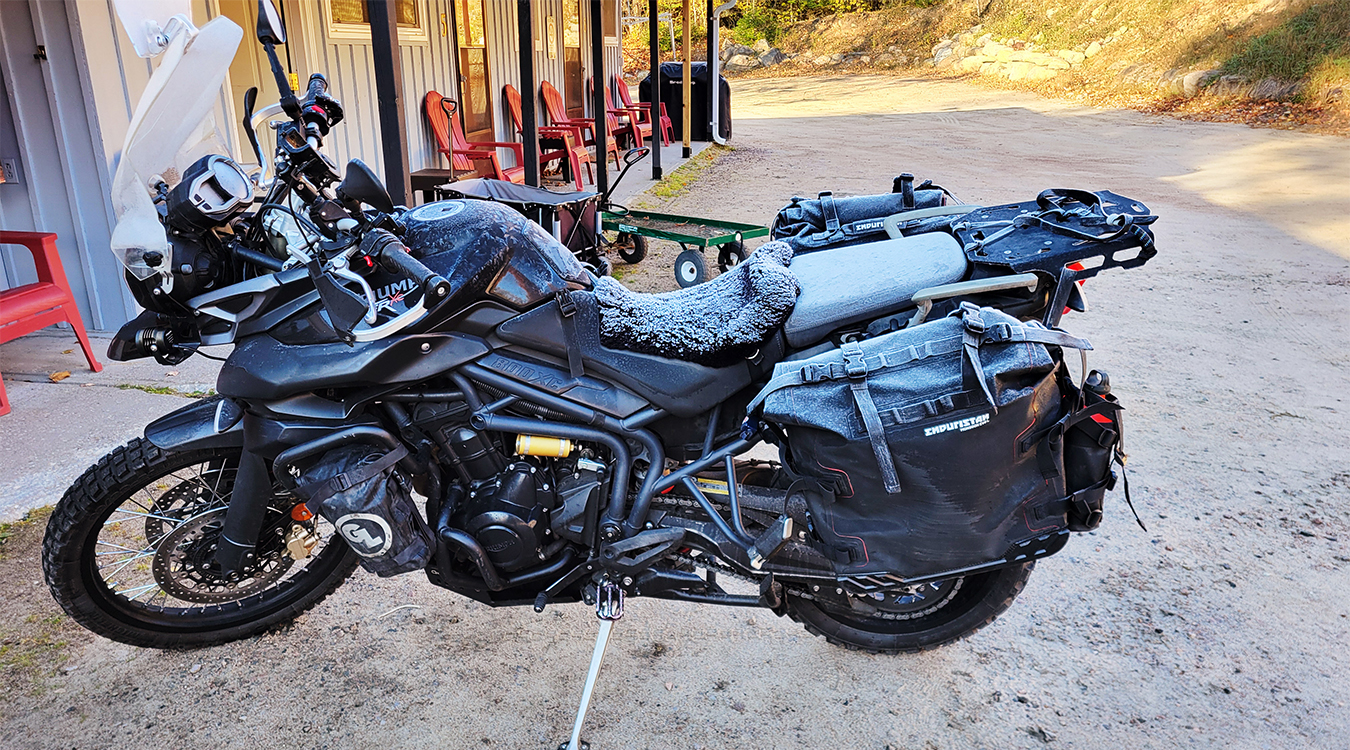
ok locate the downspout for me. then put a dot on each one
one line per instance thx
(715, 69)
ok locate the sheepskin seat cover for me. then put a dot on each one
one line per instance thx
(715, 324)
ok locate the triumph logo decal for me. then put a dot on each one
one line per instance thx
(960, 425)
(369, 535)
(387, 295)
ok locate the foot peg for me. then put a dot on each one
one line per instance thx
(771, 541)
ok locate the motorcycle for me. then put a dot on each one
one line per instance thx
(568, 440)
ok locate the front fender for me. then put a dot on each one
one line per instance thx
(195, 426)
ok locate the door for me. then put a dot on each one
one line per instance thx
(475, 104)
(573, 78)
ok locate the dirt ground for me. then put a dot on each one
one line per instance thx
(1225, 625)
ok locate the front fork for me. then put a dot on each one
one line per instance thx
(248, 506)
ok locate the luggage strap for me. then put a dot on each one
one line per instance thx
(828, 210)
(316, 492)
(567, 311)
(856, 366)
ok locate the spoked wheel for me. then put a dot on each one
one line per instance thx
(731, 255)
(130, 552)
(690, 268)
(632, 247)
(917, 619)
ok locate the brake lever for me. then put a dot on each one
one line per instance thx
(343, 271)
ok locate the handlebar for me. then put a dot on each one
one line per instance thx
(387, 248)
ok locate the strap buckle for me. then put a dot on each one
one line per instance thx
(855, 365)
(814, 373)
(971, 318)
(566, 306)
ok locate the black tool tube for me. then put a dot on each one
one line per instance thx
(618, 495)
(265, 262)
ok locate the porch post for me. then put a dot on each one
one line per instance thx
(687, 111)
(599, 80)
(389, 94)
(654, 43)
(529, 95)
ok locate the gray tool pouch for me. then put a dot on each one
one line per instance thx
(370, 504)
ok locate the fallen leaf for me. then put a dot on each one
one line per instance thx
(57, 377)
(68, 351)
(670, 686)
(171, 374)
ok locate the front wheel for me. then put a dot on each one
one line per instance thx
(921, 618)
(130, 552)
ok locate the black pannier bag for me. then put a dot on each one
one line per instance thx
(828, 221)
(938, 448)
(370, 505)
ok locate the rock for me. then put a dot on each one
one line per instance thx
(1192, 82)
(1092, 49)
(1018, 70)
(1073, 57)
(892, 49)
(771, 56)
(944, 44)
(1274, 89)
(836, 58)
(1056, 63)
(741, 63)
(761, 46)
(972, 64)
(823, 60)
(984, 40)
(991, 68)
(734, 49)
(946, 61)
(865, 59)
(1040, 73)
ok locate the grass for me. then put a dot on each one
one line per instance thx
(678, 182)
(34, 634)
(164, 390)
(1313, 45)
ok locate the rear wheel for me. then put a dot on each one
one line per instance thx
(922, 618)
(129, 552)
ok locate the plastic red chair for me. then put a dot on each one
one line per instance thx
(667, 127)
(557, 113)
(465, 154)
(32, 307)
(633, 125)
(573, 150)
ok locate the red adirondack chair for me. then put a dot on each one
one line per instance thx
(463, 153)
(573, 150)
(31, 307)
(633, 123)
(667, 127)
(557, 113)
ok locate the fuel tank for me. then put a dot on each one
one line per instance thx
(487, 250)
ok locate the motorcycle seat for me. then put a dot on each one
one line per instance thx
(715, 324)
(852, 284)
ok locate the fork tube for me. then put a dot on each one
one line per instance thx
(248, 502)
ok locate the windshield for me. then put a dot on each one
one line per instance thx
(174, 125)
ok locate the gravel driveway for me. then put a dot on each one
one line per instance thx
(1224, 625)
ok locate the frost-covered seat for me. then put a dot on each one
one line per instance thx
(713, 324)
(852, 284)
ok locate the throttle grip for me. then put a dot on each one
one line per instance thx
(387, 248)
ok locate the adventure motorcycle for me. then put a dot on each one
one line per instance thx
(572, 440)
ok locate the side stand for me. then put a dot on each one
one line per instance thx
(609, 608)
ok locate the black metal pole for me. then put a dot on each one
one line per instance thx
(389, 93)
(654, 42)
(599, 79)
(708, 61)
(528, 95)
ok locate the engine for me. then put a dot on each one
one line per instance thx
(522, 510)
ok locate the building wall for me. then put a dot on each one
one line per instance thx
(65, 118)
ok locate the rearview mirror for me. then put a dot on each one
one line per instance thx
(361, 184)
(271, 30)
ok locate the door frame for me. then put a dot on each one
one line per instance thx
(490, 132)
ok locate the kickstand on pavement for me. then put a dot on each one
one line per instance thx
(609, 608)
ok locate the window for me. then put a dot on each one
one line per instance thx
(610, 9)
(350, 20)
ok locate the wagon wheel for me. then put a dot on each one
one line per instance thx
(690, 268)
(632, 247)
(731, 255)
